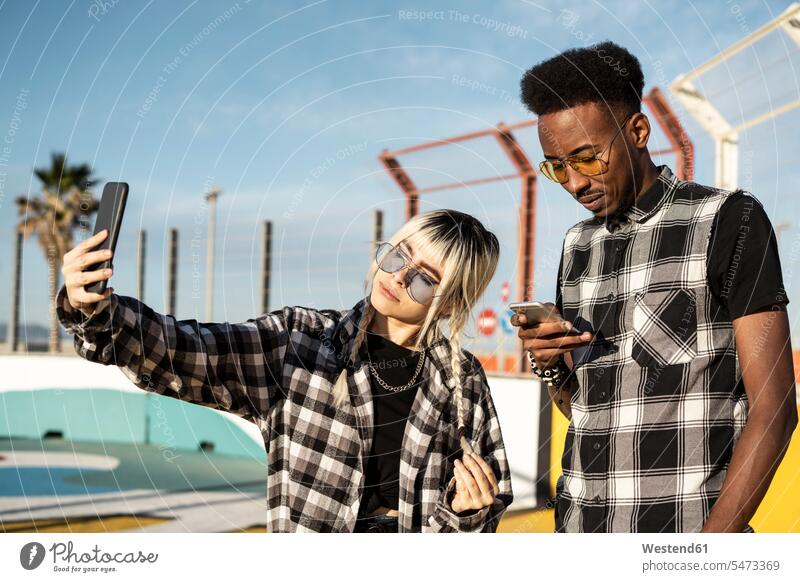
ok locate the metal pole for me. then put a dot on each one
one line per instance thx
(266, 264)
(16, 281)
(140, 259)
(172, 271)
(525, 253)
(211, 200)
(377, 233)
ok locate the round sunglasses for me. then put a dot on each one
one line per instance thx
(421, 287)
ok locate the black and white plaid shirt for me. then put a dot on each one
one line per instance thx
(658, 401)
(277, 371)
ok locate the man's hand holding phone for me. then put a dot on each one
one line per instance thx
(549, 338)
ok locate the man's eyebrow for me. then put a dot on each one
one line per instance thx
(426, 265)
(587, 146)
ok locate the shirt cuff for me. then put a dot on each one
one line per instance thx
(471, 520)
(75, 321)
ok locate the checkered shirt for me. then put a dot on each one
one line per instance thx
(277, 371)
(658, 402)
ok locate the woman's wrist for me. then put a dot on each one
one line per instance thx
(462, 511)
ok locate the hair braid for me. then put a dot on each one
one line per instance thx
(340, 395)
(363, 326)
(455, 367)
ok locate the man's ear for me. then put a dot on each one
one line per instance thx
(641, 130)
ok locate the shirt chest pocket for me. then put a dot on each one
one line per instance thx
(664, 327)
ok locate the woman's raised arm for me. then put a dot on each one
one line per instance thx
(233, 367)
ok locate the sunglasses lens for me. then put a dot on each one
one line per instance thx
(589, 166)
(555, 171)
(390, 260)
(420, 288)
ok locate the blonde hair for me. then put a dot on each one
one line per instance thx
(468, 254)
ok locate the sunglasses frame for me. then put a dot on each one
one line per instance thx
(572, 161)
(413, 270)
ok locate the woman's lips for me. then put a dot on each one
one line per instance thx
(387, 293)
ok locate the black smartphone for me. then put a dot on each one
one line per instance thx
(109, 216)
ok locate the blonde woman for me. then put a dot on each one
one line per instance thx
(372, 419)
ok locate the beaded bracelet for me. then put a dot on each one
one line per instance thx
(553, 376)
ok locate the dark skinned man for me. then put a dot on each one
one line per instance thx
(680, 388)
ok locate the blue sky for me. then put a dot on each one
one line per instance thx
(286, 106)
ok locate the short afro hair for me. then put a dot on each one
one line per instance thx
(603, 73)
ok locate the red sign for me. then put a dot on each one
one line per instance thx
(487, 322)
(505, 292)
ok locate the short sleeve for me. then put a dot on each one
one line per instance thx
(744, 269)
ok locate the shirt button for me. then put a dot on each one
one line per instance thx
(596, 446)
(603, 395)
(610, 296)
(596, 499)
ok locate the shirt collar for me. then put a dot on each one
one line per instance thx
(646, 204)
(348, 323)
(347, 328)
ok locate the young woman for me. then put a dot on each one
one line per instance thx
(372, 419)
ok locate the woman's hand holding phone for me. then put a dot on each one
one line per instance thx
(549, 339)
(76, 276)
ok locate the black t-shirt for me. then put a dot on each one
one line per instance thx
(396, 366)
(743, 267)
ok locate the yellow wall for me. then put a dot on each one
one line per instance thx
(779, 512)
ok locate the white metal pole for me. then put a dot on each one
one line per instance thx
(211, 200)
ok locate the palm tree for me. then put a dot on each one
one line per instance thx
(66, 204)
